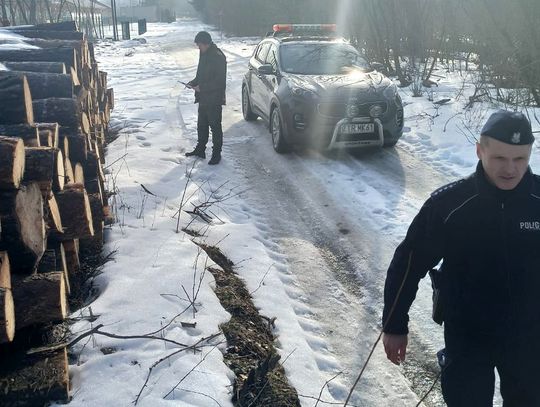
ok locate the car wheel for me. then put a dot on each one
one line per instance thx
(276, 129)
(246, 106)
(390, 143)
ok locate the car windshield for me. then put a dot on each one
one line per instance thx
(320, 59)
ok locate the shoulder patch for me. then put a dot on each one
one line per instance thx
(446, 188)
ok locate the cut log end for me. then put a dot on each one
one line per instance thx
(12, 159)
(28, 102)
(5, 271)
(7, 316)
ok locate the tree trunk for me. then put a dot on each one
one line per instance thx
(61, 26)
(92, 166)
(47, 264)
(75, 211)
(12, 162)
(44, 85)
(27, 132)
(66, 55)
(16, 106)
(77, 146)
(50, 35)
(39, 299)
(23, 227)
(71, 250)
(42, 166)
(61, 261)
(95, 243)
(42, 66)
(34, 380)
(7, 316)
(64, 111)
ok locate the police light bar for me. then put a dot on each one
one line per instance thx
(304, 28)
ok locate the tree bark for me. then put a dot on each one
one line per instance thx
(50, 35)
(27, 132)
(66, 55)
(95, 243)
(16, 106)
(40, 66)
(77, 146)
(61, 261)
(60, 26)
(44, 85)
(34, 380)
(71, 250)
(64, 111)
(75, 211)
(12, 162)
(39, 299)
(42, 166)
(47, 264)
(23, 227)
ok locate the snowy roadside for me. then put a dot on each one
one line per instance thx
(141, 289)
(156, 120)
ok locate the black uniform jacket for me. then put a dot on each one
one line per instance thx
(489, 241)
(211, 77)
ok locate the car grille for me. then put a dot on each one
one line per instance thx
(339, 110)
(332, 109)
(357, 137)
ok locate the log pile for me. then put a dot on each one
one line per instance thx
(54, 115)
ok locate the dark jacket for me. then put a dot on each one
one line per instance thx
(211, 77)
(489, 241)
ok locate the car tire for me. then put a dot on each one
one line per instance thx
(249, 116)
(390, 143)
(276, 130)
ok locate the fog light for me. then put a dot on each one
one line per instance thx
(298, 117)
(375, 111)
(353, 111)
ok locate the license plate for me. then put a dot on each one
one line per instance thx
(355, 128)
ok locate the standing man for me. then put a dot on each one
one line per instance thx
(486, 230)
(209, 86)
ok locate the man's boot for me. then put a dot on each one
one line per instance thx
(216, 158)
(199, 152)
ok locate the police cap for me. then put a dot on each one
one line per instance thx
(509, 127)
(203, 37)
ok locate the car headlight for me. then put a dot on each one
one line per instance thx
(302, 92)
(390, 92)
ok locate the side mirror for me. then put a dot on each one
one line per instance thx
(266, 69)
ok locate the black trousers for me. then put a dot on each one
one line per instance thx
(468, 377)
(209, 118)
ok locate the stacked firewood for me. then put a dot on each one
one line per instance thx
(54, 114)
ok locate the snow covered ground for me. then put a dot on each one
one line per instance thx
(142, 289)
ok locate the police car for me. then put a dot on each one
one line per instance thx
(314, 88)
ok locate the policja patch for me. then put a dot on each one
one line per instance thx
(509, 127)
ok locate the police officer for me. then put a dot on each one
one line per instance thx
(209, 85)
(486, 230)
